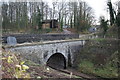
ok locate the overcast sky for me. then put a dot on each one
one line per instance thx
(100, 7)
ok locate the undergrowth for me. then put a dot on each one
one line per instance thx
(99, 57)
(107, 71)
(12, 66)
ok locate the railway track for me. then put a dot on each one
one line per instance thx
(71, 72)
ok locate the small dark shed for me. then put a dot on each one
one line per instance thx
(50, 24)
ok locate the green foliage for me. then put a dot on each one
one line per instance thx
(71, 23)
(48, 30)
(118, 20)
(31, 63)
(112, 32)
(99, 57)
(24, 16)
(39, 31)
(61, 24)
(86, 66)
(9, 60)
(34, 18)
(13, 66)
(99, 39)
(104, 25)
(6, 21)
(106, 72)
(39, 19)
(20, 71)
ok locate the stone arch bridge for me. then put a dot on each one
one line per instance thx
(58, 53)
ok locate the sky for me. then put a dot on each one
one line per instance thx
(99, 6)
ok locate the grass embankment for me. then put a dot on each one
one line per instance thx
(99, 57)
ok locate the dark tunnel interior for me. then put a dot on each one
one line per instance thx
(57, 61)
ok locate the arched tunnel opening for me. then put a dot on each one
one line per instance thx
(57, 61)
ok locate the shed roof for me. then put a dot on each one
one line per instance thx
(48, 21)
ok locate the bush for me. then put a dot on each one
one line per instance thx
(99, 57)
(12, 66)
(89, 68)
(86, 66)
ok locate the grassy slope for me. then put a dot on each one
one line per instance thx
(99, 57)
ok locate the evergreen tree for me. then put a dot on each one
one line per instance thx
(104, 25)
(39, 19)
(61, 24)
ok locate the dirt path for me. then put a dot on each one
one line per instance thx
(65, 31)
